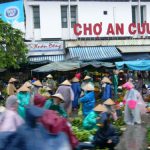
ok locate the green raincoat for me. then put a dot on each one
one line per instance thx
(24, 99)
(50, 105)
(89, 122)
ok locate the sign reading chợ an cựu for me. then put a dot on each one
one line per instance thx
(112, 29)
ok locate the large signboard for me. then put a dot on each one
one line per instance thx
(97, 29)
(13, 13)
(45, 48)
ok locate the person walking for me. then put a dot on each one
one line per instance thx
(51, 83)
(107, 91)
(86, 80)
(115, 84)
(37, 85)
(10, 120)
(23, 96)
(11, 89)
(76, 87)
(67, 92)
(88, 100)
(134, 105)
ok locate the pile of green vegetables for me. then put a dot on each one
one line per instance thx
(148, 135)
(82, 134)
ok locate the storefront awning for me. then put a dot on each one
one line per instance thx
(94, 53)
(134, 49)
(44, 59)
(137, 56)
(59, 66)
(141, 65)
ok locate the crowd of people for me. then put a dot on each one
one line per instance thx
(37, 115)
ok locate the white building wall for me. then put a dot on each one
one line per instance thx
(88, 12)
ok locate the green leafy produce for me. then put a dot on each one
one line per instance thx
(81, 134)
(119, 122)
(148, 135)
(77, 122)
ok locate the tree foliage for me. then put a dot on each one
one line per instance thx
(13, 50)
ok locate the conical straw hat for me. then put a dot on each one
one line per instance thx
(100, 108)
(12, 80)
(58, 95)
(106, 80)
(47, 88)
(2, 109)
(87, 77)
(89, 87)
(23, 89)
(66, 82)
(121, 71)
(109, 102)
(46, 95)
(37, 83)
(49, 76)
(28, 84)
(75, 79)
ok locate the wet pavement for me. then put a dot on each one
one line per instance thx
(134, 138)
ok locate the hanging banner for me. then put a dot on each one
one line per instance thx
(13, 13)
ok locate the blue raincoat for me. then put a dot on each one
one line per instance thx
(107, 92)
(33, 136)
(24, 99)
(76, 87)
(88, 103)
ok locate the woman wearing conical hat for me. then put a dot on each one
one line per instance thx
(56, 101)
(23, 96)
(37, 85)
(86, 80)
(11, 89)
(51, 83)
(90, 120)
(76, 87)
(67, 92)
(88, 100)
(110, 105)
(107, 92)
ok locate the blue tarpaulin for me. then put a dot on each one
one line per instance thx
(141, 65)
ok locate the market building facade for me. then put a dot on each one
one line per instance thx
(87, 29)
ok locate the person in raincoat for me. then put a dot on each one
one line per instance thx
(88, 100)
(39, 100)
(90, 120)
(86, 80)
(34, 136)
(56, 124)
(51, 83)
(115, 83)
(11, 89)
(134, 105)
(66, 91)
(76, 87)
(57, 99)
(37, 85)
(30, 86)
(9, 119)
(23, 96)
(107, 92)
(110, 105)
(106, 135)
